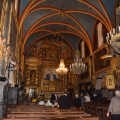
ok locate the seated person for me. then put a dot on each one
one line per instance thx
(52, 99)
(55, 104)
(77, 102)
(95, 97)
(64, 102)
(87, 97)
(41, 102)
(48, 103)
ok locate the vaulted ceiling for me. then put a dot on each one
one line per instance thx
(41, 19)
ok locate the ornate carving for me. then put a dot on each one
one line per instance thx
(51, 87)
(47, 85)
(113, 63)
(109, 81)
(9, 27)
(3, 16)
(51, 72)
(32, 76)
(33, 61)
(2, 48)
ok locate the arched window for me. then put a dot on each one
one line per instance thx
(100, 34)
(16, 6)
(82, 49)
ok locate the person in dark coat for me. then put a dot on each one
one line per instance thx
(95, 97)
(77, 102)
(82, 98)
(64, 102)
(52, 99)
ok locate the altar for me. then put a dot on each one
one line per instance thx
(48, 96)
(40, 69)
(51, 85)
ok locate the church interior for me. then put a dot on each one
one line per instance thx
(58, 46)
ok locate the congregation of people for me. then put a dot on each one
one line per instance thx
(63, 101)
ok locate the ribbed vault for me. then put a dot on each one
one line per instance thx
(64, 19)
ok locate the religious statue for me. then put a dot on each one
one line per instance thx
(33, 51)
(32, 76)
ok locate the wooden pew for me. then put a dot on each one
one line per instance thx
(61, 118)
(42, 113)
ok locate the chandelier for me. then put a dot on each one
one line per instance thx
(78, 67)
(113, 38)
(61, 70)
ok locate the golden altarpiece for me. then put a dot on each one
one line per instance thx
(41, 62)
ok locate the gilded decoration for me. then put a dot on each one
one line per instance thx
(33, 61)
(41, 61)
(113, 63)
(50, 74)
(109, 81)
(6, 54)
(2, 48)
(9, 27)
(14, 14)
(3, 16)
(32, 71)
(50, 86)
(50, 50)
(1, 7)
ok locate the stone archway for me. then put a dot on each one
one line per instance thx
(99, 80)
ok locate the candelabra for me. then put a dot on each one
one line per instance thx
(113, 38)
(78, 66)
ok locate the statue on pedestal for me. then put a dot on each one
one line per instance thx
(32, 76)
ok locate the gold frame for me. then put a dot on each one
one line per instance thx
(109, 81)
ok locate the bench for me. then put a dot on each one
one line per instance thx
(42, 113)
(57, 118)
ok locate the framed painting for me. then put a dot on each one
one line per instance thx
(109, 81)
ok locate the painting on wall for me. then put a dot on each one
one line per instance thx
(50, 74)
(109, 81)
